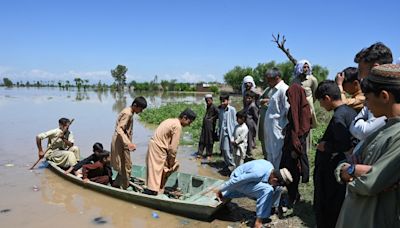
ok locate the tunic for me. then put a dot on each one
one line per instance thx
(208, 129)
(89, 160)
(275, 121)
(251, 180)
(262, 111)
(226, 125)
(356, 101)
(59, 153)
(120, 154)
(161, 154)
(251, 122)
(240, 138)
(97, 172)
(310, 84)
(328, 194)
(373, 200)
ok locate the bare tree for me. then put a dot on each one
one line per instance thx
(281, 45)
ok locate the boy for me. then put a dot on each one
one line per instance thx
(121, 143)
(373, 186)
(348, 82)
(226, 126)
(163, 146)
(257, 180)
(100, 171)
(97, 149)
(208, 128)
(328, 194)
(62, 152)
(251, 111)
(239, 141)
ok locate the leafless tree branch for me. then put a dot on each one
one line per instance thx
(281, 45)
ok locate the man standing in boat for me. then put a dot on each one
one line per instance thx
(121, 144)
(163, 146)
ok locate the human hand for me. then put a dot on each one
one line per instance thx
(321, 146)
(131, 147)
(339, 79)
(344, 175)
(218, 193)
(41, 154)
(264, 101)
(86, 180)
(69, 170)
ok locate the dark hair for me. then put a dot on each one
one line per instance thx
(98, 147)
(328, 88)
(372, 87)
(64, 121)
(103, 154)
(241, 115)
(140, 102)
(189, 114)
(273, 73)
(376, 53)
(224, 97)
(350, 74)
(278, 175)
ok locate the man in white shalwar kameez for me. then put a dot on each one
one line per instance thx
(275, 117)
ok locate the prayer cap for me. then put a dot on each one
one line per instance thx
(388, 74)
(286, 176)
(208, 96)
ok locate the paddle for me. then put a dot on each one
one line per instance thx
(48, 147)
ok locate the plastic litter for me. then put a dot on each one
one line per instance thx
(155, 215)
(5, 210)
(35, 188)
(99, 220)
(9, 165)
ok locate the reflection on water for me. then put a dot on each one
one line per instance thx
(25, 112)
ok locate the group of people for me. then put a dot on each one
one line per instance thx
(356, 178)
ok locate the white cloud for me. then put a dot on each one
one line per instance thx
(191, 77)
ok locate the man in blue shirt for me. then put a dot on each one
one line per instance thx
(257, 180)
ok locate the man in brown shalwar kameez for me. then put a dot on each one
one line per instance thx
(161, 154)
(121, 143)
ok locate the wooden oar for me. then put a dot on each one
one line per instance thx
(48, 148)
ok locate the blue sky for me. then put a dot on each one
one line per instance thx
(183, 40)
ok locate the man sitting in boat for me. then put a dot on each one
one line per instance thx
(163, 146)
(97, 149)
(60, 146)
(100, 171)
(257, 180)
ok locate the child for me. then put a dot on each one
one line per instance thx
(208, 128)
(97, 149)
(328, 194)
(226, 125)
(100, 171)
(348, 82)
(239, 141)
(251, 111)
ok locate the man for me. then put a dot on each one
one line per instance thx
(161, 154)
(256, 179)
(336, 141)
(61, 149)
(121, 143)
(208, 128)
(275, 117)
(373, 186)
(365, 123)
(226, 126)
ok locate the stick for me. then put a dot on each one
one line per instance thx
(138, 187)
(48, 147)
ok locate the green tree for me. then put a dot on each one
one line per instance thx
(78, 83)
(321, 73)
(259, 73)
(119, 76)
(235, 77)
(7, 82)
(164, 84)
(286, 69)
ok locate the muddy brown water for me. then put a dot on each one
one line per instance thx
(40, 198)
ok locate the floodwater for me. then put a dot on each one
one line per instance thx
(40, 198)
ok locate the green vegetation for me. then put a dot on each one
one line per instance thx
(172, 110)
(119, 76)
(7, 82)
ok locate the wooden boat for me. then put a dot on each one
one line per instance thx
(196, 201)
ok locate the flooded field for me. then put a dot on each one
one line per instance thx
(40, 198)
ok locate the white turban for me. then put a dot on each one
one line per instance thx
(298, 69)
(247, 79)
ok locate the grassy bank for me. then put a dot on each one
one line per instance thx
(172, 110)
